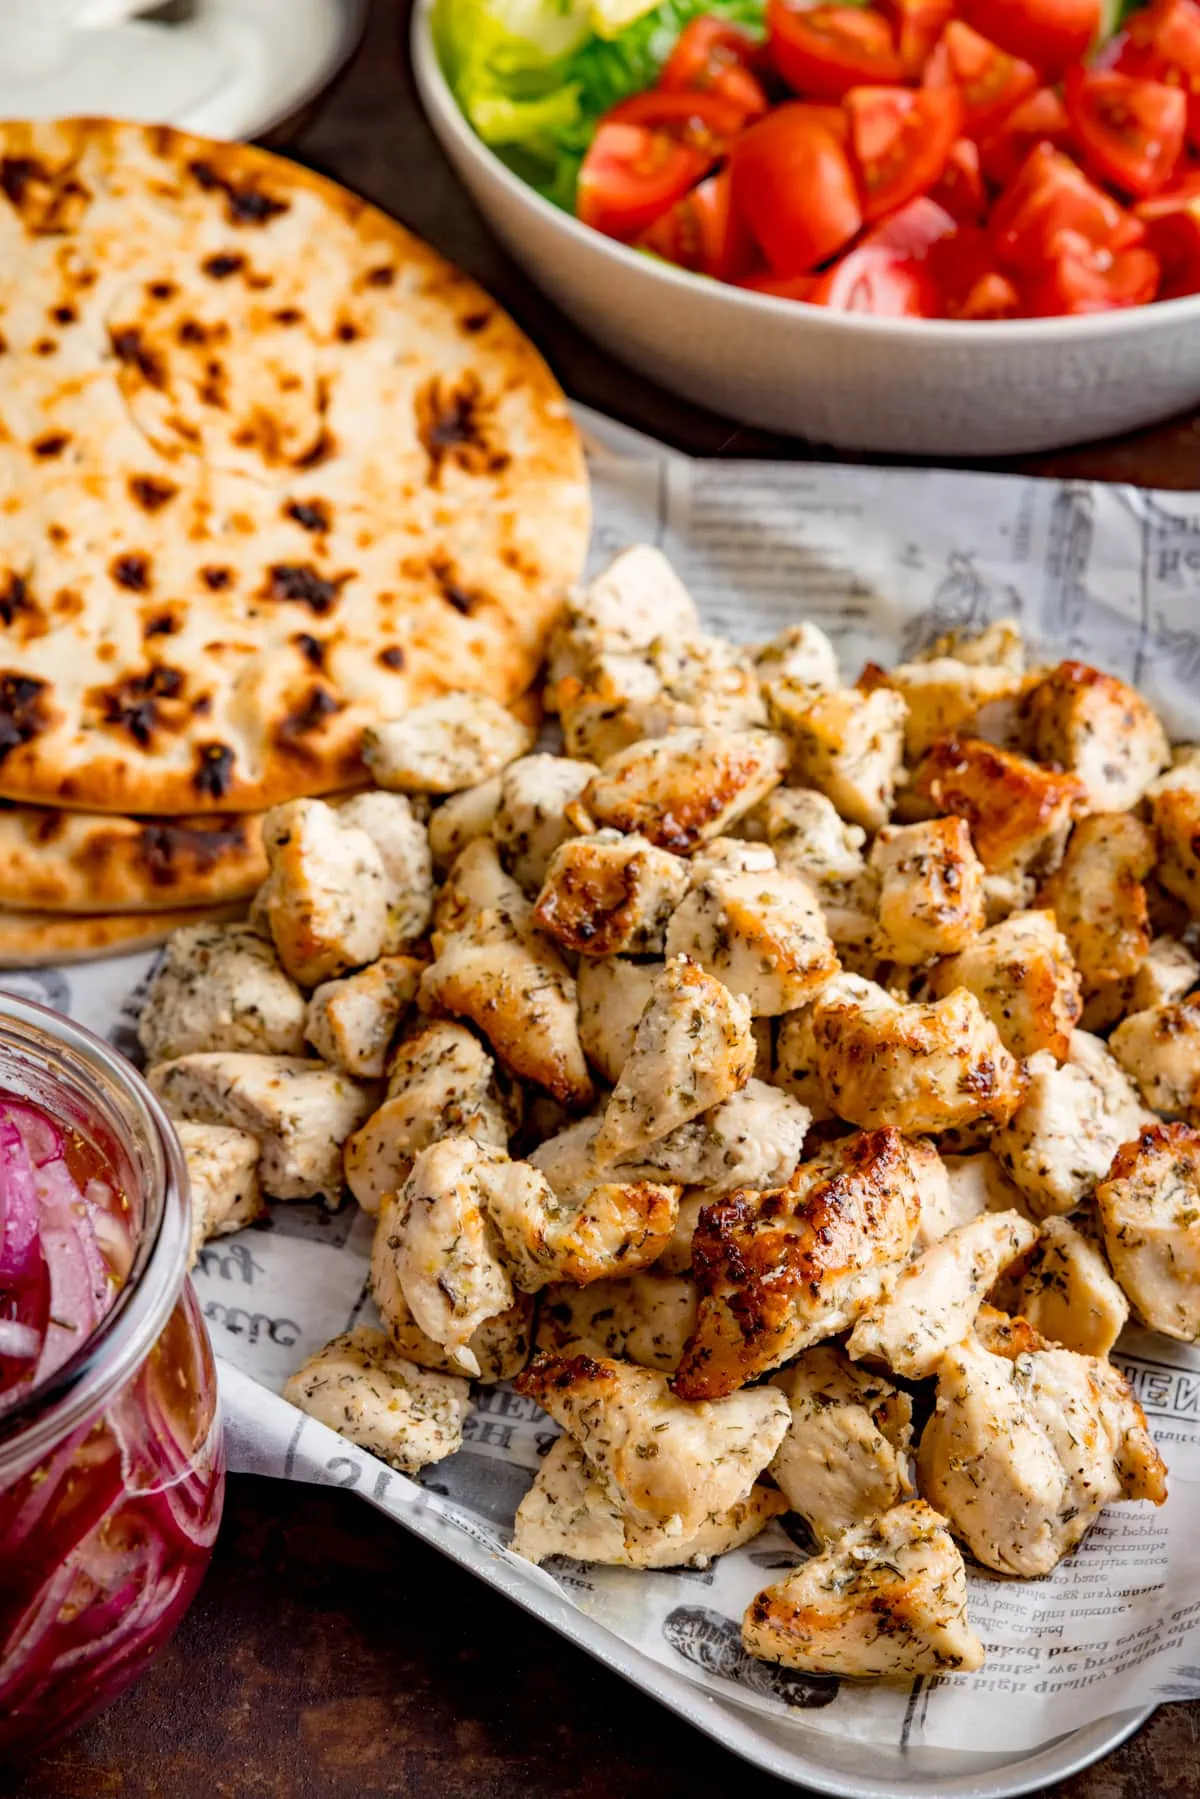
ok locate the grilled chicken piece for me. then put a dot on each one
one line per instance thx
(845, 743)
(845, 1456)
(501, 1345)
(681, 790)
(1098, 898)
(999, 645)
(496, 968)
(762, 935)
(779, 1271)
(1021, 972)
(351, 1022)
(613, 994)
(1160, 1048)
(220, 987)
(1019, 813)
(730, 856)
(1166, 973)
(1069, 1125)
(360, 1387)
(1067, 1293)
(531, 820)
(637, 598)
(922, 1068)
(944, 694)
(617, 697)
(620, 1227)
(1149, 1211)
(1023, 1455)
(646, 1318)
(693, 1048)
(931, 892)
(570, 1511)
(1099, 728)
(934, 1300)
(442, 1083)
(462, 818)
(403, 845)
(810, 838)
(300, 1111)
(801, 654)
(445, 1248)
(888, 1600)
(325, 901)
(752, 1139)
(1175, 814)
(663, 1459)
(222, 1165)
(444, 745)
(608, 895)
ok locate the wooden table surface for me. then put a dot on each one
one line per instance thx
(329, 1655)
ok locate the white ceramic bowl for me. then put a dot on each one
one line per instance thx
(925, 387)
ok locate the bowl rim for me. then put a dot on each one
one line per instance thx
(443, 108)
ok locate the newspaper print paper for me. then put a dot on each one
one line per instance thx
(883, 560)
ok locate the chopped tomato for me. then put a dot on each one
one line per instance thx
(1174, 237)
(991, 81)
(971, 287)
(960, 187)
(1131, 131)
(713, 57)
(793, 185)
(824, 51)
(630, 175)
(1050, 34)
(1050, 197)
(901, 141)
(1162, 43)
(889, 273)
(706, 122)
(783, 287)
(1085, 279)
(1183, 189)
(1042, 119)
(918, 26)
(703, 232)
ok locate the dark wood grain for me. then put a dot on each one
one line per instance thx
(330, 1656)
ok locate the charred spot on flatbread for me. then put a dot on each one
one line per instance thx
(454, 424)
(24, 710)
(140, 704)
(302, 584)
(151, 492)
(15, 598)
(246, 203)
(170, 848)
(310, 515)
(306, 720)
(311, 648)
(450, 585)
(213, 776)
(224, 264)
(131, 571)
(161, 624)
(392, 656)
(130, 348)
(50, 445)
(216, 578)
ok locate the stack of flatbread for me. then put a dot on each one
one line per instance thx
(270, 471)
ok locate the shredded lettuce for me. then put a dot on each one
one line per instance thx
(534, 76)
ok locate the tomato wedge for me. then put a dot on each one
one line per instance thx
(824, 51)
(959, 188)
(1052, 198)
(991, 81)
(1084, 279)
(1131, 131)
(1050, 34)
(1174, 237)
(712, 57)
(783, 287)
(793, 185)
(703, 232)
(918, 25)
(630, 175)
(888, 274)
(1163, 44)
(971, 287)
(901, 141)
(706, 122)
(1042, 119)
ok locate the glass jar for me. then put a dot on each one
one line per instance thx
(111, 1471)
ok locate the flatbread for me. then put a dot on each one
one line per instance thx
(41, 939)
(271, 470)
(100, 862)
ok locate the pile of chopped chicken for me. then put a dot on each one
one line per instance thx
(784, 1045)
